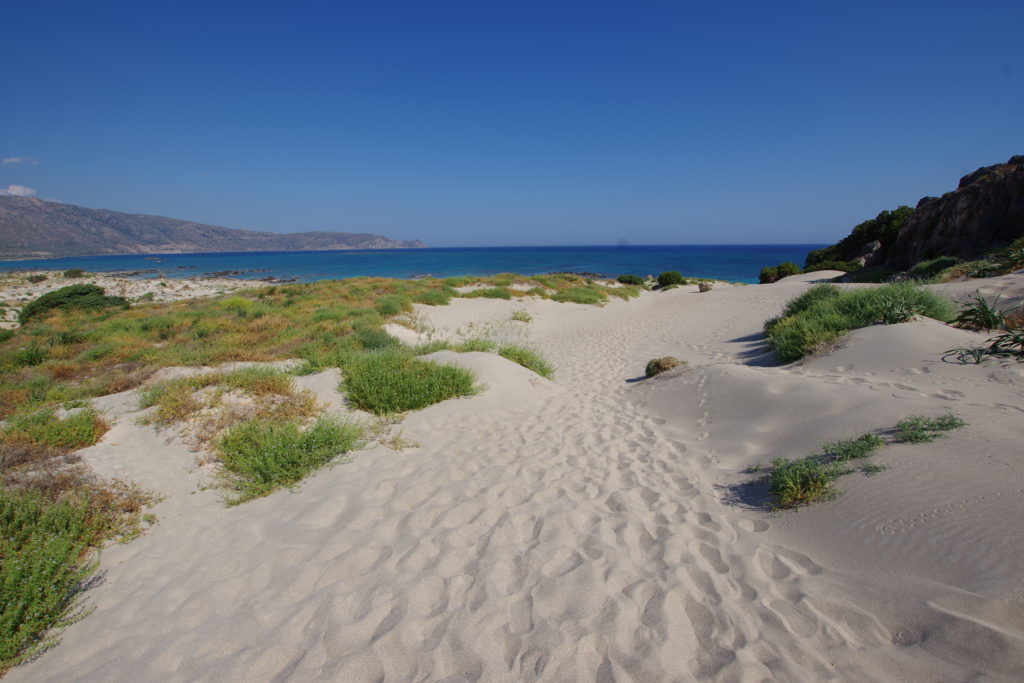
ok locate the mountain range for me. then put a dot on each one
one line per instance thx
(33, 228)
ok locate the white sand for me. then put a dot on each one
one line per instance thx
(598, 528)
(16, 290)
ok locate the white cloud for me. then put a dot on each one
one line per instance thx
(17, 191)
(17, 161)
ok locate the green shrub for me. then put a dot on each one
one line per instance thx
(386, 382)
(374, 338)
(630, 279)
(492, 293)
(6, 335)
(31, 354)
(36, 277)
(521, 316)
(671, 277)
(580, 295)
(78, 430)
(260, 456)
(926, 270)
(74, 273)
(845, 266)
(43, 547)
(801, 482)
(775, 273)
(529, 359)
(852, 449)
(434, 297)
(921, 429)
(657, 366)
(823, 314)
(393, 304)
(72, 297)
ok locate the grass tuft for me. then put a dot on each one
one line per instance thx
(921, 429)
(389, 381)
(529, 359)
(260, 456)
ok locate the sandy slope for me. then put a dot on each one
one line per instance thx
(599, 527)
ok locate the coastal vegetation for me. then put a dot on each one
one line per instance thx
(824, 313)
(656, 366)
(802, 481)
(261, 455)
(671, 277)
(77, 343)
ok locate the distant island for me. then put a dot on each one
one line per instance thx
(32, 228)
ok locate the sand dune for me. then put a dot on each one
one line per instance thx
(599, 527)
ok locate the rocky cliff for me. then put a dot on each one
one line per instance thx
(985, 212)
(31, 228)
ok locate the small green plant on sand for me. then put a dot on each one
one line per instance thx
(522, 316)
(981, 315)
(800, 482)
(528, 358)
(260, 456)
(387, 381)
(921, 429)
(853, 449)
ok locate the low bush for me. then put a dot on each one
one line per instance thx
(630, 279)
(74, 273)
(434, 297)
(372, 338)
(77, 297)
(580, 295)
(852, 449)
(393, 304)
(823, 314)
(260, 456)
(845, 266)
(801, 482)
(657, 366)
(927, 270)
(921, 429)
(492, 293)
(522, 316)
(36, 277)
(529, 359)
(387, 382)
(671, 277)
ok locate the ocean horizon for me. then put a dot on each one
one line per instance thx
(733, 262)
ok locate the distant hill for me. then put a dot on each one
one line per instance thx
(32, 228)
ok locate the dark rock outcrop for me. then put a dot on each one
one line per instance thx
(984, 213)
(31, 228)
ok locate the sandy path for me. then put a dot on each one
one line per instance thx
(583, 530)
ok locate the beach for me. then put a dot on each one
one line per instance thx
(598, 526)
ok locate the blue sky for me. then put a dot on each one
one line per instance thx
(510, 123)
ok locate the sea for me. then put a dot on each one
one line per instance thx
(736, 263)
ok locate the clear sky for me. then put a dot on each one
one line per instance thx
(510, 123)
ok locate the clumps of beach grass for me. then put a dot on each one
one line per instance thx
(214, 402)
(521, 315)
(824, 313)
(259, 456)
(921, 429)
(528, 358)
(580, 295)
(391, 381)
(656, 366)
(802, 481)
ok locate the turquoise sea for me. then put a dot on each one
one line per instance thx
(739, 263)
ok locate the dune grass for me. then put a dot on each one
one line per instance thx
(802, 481)
(260, 456)
(390, 381)
(529, 359)
(824, 313)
